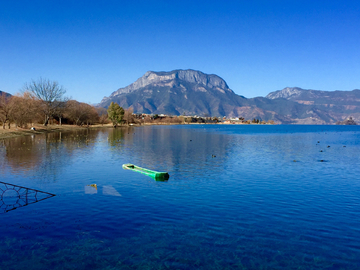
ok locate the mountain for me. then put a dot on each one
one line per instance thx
(177, 92)
(192, 92)
(7, 94)
(319, 97)
(338, 105)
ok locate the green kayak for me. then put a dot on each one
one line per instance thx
(159, 176)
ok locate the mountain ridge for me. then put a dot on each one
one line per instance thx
(193, 92)
(189, 75)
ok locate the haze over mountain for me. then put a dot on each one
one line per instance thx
(192, 92)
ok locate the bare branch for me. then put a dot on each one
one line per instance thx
(50, 93)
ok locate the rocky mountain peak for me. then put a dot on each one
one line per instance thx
(189, 76)
(287, 93)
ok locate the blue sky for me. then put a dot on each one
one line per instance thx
(93, 48)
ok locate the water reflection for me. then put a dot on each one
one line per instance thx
(44, 155)
(165, 148)
(171, 149)
(13, 196)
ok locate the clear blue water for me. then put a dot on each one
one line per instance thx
(238, 197)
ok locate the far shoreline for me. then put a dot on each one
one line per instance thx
(41, 129)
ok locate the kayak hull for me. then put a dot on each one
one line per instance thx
(159, 176)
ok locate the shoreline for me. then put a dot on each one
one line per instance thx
(40, 129)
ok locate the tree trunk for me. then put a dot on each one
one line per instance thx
(46, 120)
(60, 121)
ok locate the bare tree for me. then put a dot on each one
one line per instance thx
(60, 111)
(103, 115)
(92, 115)
(128, 116)
(74, 112)
(5, 109)
(50, 93)
(23, 109)
(81, 113)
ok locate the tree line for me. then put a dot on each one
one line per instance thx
(43, 101)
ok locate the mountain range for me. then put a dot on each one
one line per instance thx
(191, 92)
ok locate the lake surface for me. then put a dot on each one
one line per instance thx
(238, 197)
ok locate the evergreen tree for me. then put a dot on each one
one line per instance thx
(115, 113)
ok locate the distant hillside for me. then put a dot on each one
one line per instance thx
(7, 94)
(337, 104)
(192, 92)
(177, 92)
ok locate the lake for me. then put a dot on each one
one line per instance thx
(238, 197)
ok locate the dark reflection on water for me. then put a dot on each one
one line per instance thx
(245, 197)
(44, 156)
